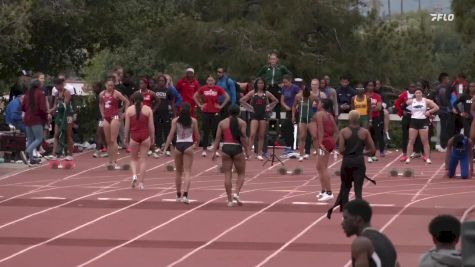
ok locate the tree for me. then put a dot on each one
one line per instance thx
(14, 35)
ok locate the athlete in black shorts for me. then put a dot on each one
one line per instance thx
(232, 132)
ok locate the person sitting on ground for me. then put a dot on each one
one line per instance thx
(445, 231)
(459, 149)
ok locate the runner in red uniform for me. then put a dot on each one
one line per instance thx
(151, 100)
(232, 131)
(139, 127)
(109, 107)
(327, 132)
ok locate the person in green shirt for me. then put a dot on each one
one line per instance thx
(273, 74)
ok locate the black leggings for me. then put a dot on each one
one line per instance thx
(162, 128)
(287, 130)
(377, 133)
(352, 170)
(210, 124)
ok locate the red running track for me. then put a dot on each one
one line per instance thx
(90, 217)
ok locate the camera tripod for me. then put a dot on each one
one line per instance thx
(273, 158)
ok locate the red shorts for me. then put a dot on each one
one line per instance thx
(139, 137)
(109, 119)
(329, 144)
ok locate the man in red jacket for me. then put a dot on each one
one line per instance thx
(403, 112)
(187, 87)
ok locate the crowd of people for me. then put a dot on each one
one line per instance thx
(160, 117)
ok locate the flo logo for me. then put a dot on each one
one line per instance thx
(442, 17)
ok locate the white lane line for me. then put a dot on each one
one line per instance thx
(114, 199)
(382, 205)
(174, 200)
(311, 203)
(59, 198)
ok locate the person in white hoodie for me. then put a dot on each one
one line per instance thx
(445, 231)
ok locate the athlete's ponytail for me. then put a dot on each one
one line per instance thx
(185, 115)
(138, 100)
(234, 123)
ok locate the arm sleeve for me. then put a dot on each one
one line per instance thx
(232, 90)
(176, 95)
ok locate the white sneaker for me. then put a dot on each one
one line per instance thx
(232, 204)
(260, 158)
(217, 154)
(315, 152)
(237, 200)
(438, 148)
(116, 166)
(96, 154)
(428, 161)
(36, 154)
(209, 148)
(158, 150)
(51, 157)
(185, 200)
(320, 195)
(300, 159)
(408, 160)
(155, 155)
(178, 199)
(306, 156)
(374, 158)
(141, 186)
(68, 158)
(387, 136)
(134, 181)
(149, 153)
(168, 154)
(370, 160)
(326, 197)
(203, 154)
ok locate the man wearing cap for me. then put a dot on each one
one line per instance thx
(187, 87)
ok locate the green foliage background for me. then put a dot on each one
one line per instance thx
(88, 38)
(313, 37)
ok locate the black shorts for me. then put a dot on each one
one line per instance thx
(419, 124)
(231, 150)
(182, 146)
(259, 116)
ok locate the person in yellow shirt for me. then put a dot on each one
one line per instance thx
(362, 104)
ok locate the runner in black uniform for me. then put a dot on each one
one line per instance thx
(370, 248)
(352, 140)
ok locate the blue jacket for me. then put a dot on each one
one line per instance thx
(176, 95)
(13, 111)
(229, 86)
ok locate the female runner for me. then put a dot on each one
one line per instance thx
(303, 103)
(327, 132)
(140, 128)
(232, 131)
(184, 128)
(259, 107)
(421, 109)
(109, 107)
(63, 120)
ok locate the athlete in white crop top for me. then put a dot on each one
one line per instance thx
(421, 110)
(185, 129)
